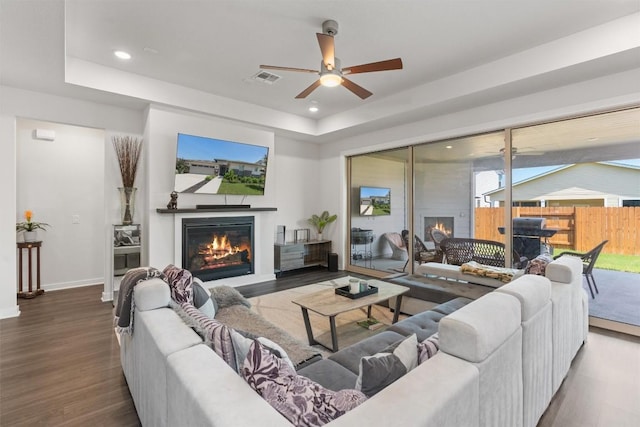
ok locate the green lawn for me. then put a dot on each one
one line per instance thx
(240, 189)
(630, 263)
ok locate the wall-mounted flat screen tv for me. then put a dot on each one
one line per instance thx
(215, 166)
(375, 201)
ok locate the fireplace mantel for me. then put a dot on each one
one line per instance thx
(220, 209)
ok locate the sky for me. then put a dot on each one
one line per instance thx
(373, 191)
(200, 148)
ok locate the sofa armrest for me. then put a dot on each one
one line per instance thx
(443, 392)
(202, 390)
(565, 269)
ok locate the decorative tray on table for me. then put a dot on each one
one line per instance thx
(345, 291)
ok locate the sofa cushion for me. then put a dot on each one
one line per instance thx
(423, 325)
(202, 299)
(300, 400)
(378, 371)
(330, 374)
(349, 357)
(451, 306)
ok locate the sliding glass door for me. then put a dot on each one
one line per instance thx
(378, 194)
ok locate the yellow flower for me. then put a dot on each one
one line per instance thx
(28, 214)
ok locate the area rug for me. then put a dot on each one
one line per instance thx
(278, 309)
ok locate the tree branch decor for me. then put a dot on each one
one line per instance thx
(128, 151)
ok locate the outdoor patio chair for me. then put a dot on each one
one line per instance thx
(438, 236)
(397, 244)
(420, 251)
(588, 261)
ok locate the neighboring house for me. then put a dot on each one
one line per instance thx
(222, 166)
(586, 184)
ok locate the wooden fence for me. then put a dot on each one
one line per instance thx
(579, 228)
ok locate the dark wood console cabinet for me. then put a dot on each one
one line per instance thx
(291, 256)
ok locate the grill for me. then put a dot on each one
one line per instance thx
(528, 235)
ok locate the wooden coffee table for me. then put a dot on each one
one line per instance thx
(327, 303)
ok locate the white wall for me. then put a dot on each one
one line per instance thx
(8, 301)
(159, 237)
(59, 180)
(18, 103)
(297, 175)
(444, 190)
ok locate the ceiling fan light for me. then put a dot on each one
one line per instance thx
(330, 80)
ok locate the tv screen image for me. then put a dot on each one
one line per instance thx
(215, 166)
(375, 201)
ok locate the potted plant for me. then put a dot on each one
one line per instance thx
(30, 227)
(321, 221)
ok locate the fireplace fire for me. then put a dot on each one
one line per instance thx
(215, 248)
(444, 224)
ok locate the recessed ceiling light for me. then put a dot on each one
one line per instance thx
(313, 107)
(122, 54)
(449, 147)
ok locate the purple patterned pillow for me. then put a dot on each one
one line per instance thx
(538, 265)
(216, 335)
(300, 400)
(428, 348)
(180, 283)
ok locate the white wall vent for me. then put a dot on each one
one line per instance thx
(266, 77)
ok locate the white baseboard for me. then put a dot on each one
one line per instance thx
(70, 285)
(6, 313)
(107, 296)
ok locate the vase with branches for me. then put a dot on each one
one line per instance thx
(128, 151)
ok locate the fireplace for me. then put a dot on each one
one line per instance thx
(215, 248)
(442, 223)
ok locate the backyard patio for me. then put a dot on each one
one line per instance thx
(619, 296)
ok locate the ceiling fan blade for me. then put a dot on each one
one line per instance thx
(358, 90)
(308, 90)
(389, 64)
(299, 70)
(327, 47)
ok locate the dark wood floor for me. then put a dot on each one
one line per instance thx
(60, 365)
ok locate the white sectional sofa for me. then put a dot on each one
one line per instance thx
(502, 357)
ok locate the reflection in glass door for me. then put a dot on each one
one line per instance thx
(378, 212)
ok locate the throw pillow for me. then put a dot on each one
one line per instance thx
(378, 371)
(202, 299)
(241, 345)
(538, 265)
(180, 282)
(428, 348)
(226, 296)
(301, 401)
(216, 335)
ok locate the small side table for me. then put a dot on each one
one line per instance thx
(29, 246)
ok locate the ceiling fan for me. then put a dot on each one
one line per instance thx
(515, 152)
(331, 73)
